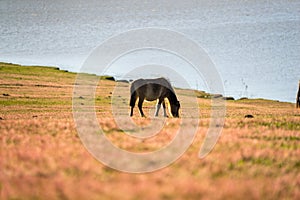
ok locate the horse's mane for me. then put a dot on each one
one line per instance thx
(167, 84)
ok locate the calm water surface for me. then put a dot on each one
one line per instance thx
(254, 44)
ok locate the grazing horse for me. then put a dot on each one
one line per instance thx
(153, 89)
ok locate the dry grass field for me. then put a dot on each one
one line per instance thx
(42, 156)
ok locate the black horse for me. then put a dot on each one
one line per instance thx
(153, 89)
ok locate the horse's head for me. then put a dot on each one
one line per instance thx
(175, 109)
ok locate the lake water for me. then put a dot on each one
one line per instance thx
(254, 44)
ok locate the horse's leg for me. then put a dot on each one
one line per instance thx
(158, 107)
(140, 105)
(131, 111)
(164, 106)
(132, 102)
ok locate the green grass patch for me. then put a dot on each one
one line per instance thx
(33, 102)
(21, 73)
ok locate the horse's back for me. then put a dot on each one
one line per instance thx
(159, 81)
(150, 88)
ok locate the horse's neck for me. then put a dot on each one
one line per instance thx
(171, 96)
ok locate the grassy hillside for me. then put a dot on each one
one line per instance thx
(42, 157)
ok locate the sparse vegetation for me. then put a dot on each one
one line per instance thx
(42, 157)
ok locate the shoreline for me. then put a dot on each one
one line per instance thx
(128, 81)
